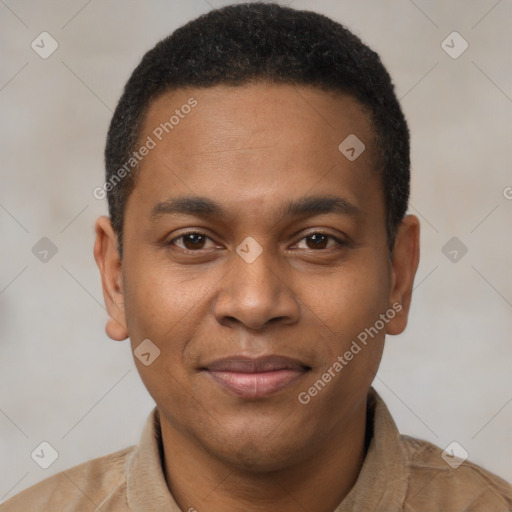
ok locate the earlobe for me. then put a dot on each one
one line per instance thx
(108, 260)
(115, 330)
(405, 260)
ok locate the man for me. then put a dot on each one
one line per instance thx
(256, 254)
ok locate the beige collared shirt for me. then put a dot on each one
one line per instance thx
(399, 473)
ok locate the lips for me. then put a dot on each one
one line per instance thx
(255, 377)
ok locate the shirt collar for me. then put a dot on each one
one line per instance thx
(383, 479)
(146, 487)
(381, 484)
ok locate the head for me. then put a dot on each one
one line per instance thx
(245, 43)
(265, 217)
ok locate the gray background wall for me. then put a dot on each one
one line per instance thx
(63, 381)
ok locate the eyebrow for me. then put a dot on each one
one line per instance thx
(205, 207)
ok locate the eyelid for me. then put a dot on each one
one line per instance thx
(190, 232)
(340, 242)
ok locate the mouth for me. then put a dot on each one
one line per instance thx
(255, 377)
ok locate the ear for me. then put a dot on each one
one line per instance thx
(405, 259)
(108, 260)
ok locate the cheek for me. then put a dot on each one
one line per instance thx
(157, 298)
(350, 299)
(160, 309)
(349, 307)
(154, 311)
(167, 306)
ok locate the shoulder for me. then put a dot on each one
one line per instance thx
(450, 482)
(84, 487)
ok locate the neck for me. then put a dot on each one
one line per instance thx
(199, 481)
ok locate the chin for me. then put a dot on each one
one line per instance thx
(261, 456)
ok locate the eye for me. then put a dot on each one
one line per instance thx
(195, 241)
(191, 241)
(319, 240)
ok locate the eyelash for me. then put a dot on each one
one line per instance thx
(339, 243)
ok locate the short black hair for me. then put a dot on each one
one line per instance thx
(250, 42)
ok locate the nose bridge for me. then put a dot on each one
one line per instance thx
(254, 266)
(255, 290)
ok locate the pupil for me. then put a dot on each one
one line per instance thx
(318, 240)
(194, 239)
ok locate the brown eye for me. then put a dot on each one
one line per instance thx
(318, 241)
(190, 241)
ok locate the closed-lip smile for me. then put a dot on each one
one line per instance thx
(255, 377)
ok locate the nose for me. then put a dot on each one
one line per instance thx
(255, 294)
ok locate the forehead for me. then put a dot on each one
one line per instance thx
(225, 115)
(238, 143)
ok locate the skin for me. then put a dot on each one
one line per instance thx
(253, 149)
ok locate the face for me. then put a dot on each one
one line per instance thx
(255, 256)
